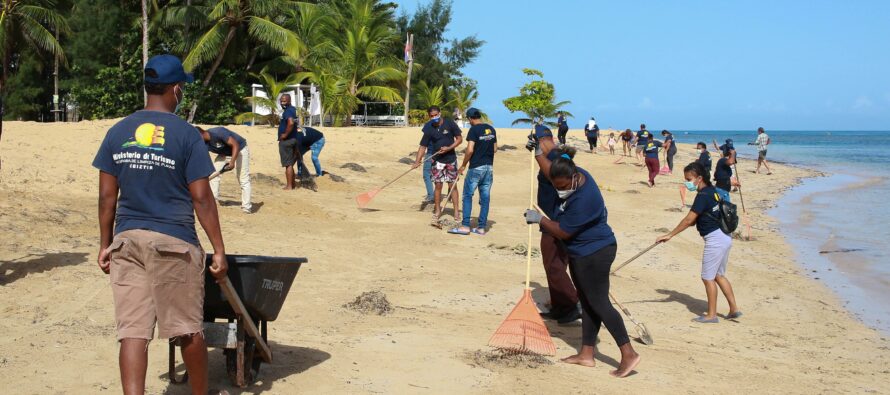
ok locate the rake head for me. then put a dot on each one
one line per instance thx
(365, 198)
(644, 335)
(523, 330)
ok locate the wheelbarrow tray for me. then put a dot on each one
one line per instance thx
(261, 282)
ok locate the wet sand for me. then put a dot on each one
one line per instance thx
(447, 293)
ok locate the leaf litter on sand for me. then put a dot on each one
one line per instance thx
(354, 167)
(499, 358)
(371, 302)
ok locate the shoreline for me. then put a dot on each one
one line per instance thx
(448, 293)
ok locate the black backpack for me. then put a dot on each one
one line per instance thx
(727, 215)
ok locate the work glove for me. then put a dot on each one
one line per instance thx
(532, 144)
(532, 217)
(228, 167)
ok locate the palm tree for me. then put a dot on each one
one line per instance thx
(273, 89)
(23, 25)
(259, 20)
(541, 114)
(426, 96)
(357, 64)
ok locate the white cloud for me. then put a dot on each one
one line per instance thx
(862, 103)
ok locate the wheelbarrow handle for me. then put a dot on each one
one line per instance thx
(238, 307)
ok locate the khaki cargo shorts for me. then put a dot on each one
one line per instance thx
(156, 278)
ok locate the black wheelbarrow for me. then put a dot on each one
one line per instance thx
(250, 297)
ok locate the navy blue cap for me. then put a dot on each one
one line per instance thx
(729, 141)
(474, 112)
(166, 69)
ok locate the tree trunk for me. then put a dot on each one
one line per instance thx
(229, 36)
(144, 45)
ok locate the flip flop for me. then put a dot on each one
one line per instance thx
(733, 316)
(478, 231)
(702, 320)
(457, 231)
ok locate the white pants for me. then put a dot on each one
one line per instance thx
(716, 254)
(242, 171)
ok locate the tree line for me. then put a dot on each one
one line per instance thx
(93, 51)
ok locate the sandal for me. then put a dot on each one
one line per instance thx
(702, 320)
(478, 231)
(458, 231)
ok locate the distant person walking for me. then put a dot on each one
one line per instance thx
(563, 296)
(704, 157)
(592, 132)
(287, 139)
(153, 168)
(482, 144)
(704, 215)
(442, 139)
(627, 145)
(231, 153)
(309, 140)
(642, 141)
(670, 149)
(762, 142)
(562, 127)
(652, 163)
(612, 143)
(723, 172)
(581, 223)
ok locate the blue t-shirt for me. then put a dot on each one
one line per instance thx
(484, 137)
(306, 137)
(436, 137)
(155, 156)
(592, 132)
(705, 159)
(219, 141)
(652, 149)
(547, 196)
(670, 138)
(725, 148)
(584, 216)
(723, 171)
(642, 137)
(561, 122)
(290, 112)
(705, 205)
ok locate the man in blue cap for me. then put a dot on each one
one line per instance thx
(287, 140)
(482, 144)
(153, 170)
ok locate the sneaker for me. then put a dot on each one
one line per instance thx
(247, 210)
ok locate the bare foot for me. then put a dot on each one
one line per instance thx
(626, 366)
(287, 188)
(579, 360)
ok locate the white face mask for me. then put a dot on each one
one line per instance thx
(565, 194)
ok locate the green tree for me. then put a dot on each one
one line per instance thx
(537, 99)
(27, 24)
(273, 89)
(357, 64)
(442, 60)
(260, 20)
(426, 96)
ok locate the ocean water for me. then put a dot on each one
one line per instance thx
(836, 224)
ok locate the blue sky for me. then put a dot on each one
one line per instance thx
(688, 65)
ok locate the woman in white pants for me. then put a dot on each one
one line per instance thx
(704, 215)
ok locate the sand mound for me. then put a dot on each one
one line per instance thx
(632, 191)
(498, 358)
(372, 302)
(406, 161)
(674, 210)
(260, 178)
(354, 167)
(506, 147)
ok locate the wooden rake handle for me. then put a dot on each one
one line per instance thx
(633, 258)
(249, 326)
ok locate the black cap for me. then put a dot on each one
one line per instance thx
(474, 113)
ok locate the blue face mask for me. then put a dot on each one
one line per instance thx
(436, 118)
(691, 186)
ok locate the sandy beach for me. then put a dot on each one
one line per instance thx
(448, 292)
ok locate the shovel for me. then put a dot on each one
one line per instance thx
(218, 173)
(642, 332)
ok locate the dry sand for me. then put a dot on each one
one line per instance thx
(448, 293)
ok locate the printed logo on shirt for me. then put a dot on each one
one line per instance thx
(147, 135)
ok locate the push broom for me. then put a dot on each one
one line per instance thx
(523, 330)
(365, 198)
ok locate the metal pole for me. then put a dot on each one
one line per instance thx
(56, 83)
(408, 82)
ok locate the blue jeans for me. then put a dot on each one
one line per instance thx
(427, 178)
(482, 178)
(316, 150)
